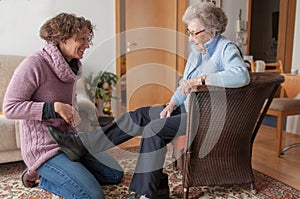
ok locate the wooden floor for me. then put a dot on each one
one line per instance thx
(285, 169)
(264, 159)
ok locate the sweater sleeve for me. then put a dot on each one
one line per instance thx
(235, 72)
(18, 103)
(178, 97)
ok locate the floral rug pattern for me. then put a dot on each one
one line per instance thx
(267, 187)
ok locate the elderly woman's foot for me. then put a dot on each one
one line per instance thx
(70, 143)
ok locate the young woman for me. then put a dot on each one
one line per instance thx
(41, 94)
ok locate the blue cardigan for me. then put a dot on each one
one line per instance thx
(223, 64)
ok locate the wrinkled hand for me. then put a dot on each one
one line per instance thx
(166, 112)
(68, 113)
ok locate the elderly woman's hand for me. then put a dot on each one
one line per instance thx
(187, 85)
(166, 112)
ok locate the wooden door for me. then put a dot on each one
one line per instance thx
(151, 29)
(286, 33)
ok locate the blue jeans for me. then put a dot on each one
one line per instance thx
(82, 179)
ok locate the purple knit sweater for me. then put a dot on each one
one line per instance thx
(43, 77)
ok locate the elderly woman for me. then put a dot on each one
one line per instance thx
(214, 60)
(40, 94)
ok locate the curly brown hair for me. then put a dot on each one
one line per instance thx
(64, 26)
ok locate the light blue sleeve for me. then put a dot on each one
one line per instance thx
(235, 72)
(178, 96)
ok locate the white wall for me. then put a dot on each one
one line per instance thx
(296, 51)
(20, 21)
(232, 9)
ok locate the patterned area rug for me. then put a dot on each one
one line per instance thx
(267, 187)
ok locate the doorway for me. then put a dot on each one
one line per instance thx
(264, 30)
(148, 49)
(270, 30)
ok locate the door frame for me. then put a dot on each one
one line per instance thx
(181, 43)
(287, 15)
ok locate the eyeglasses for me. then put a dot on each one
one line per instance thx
(193, 34)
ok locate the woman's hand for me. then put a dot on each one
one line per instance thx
(68, 113)
(188, 84)
(166, 112)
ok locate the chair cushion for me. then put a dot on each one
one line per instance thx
(285, 104)
(7, 134)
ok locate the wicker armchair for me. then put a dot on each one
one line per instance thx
(222, 125)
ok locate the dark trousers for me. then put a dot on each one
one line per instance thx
(156, 134)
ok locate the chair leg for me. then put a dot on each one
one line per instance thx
(289, 147)
(185, 192)
(279, 135)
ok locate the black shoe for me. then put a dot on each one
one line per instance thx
(133, 196)
(163, 191)
(70, 143)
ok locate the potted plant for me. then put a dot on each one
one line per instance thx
(100, 88)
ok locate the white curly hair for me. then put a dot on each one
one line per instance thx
(211, 17)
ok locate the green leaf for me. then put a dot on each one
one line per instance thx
(93, 85)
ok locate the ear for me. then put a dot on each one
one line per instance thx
(63, 41)
(214, 32)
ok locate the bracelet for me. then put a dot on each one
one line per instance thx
(203, 78)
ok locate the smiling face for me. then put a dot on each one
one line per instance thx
(74, 47)
(197, 36)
